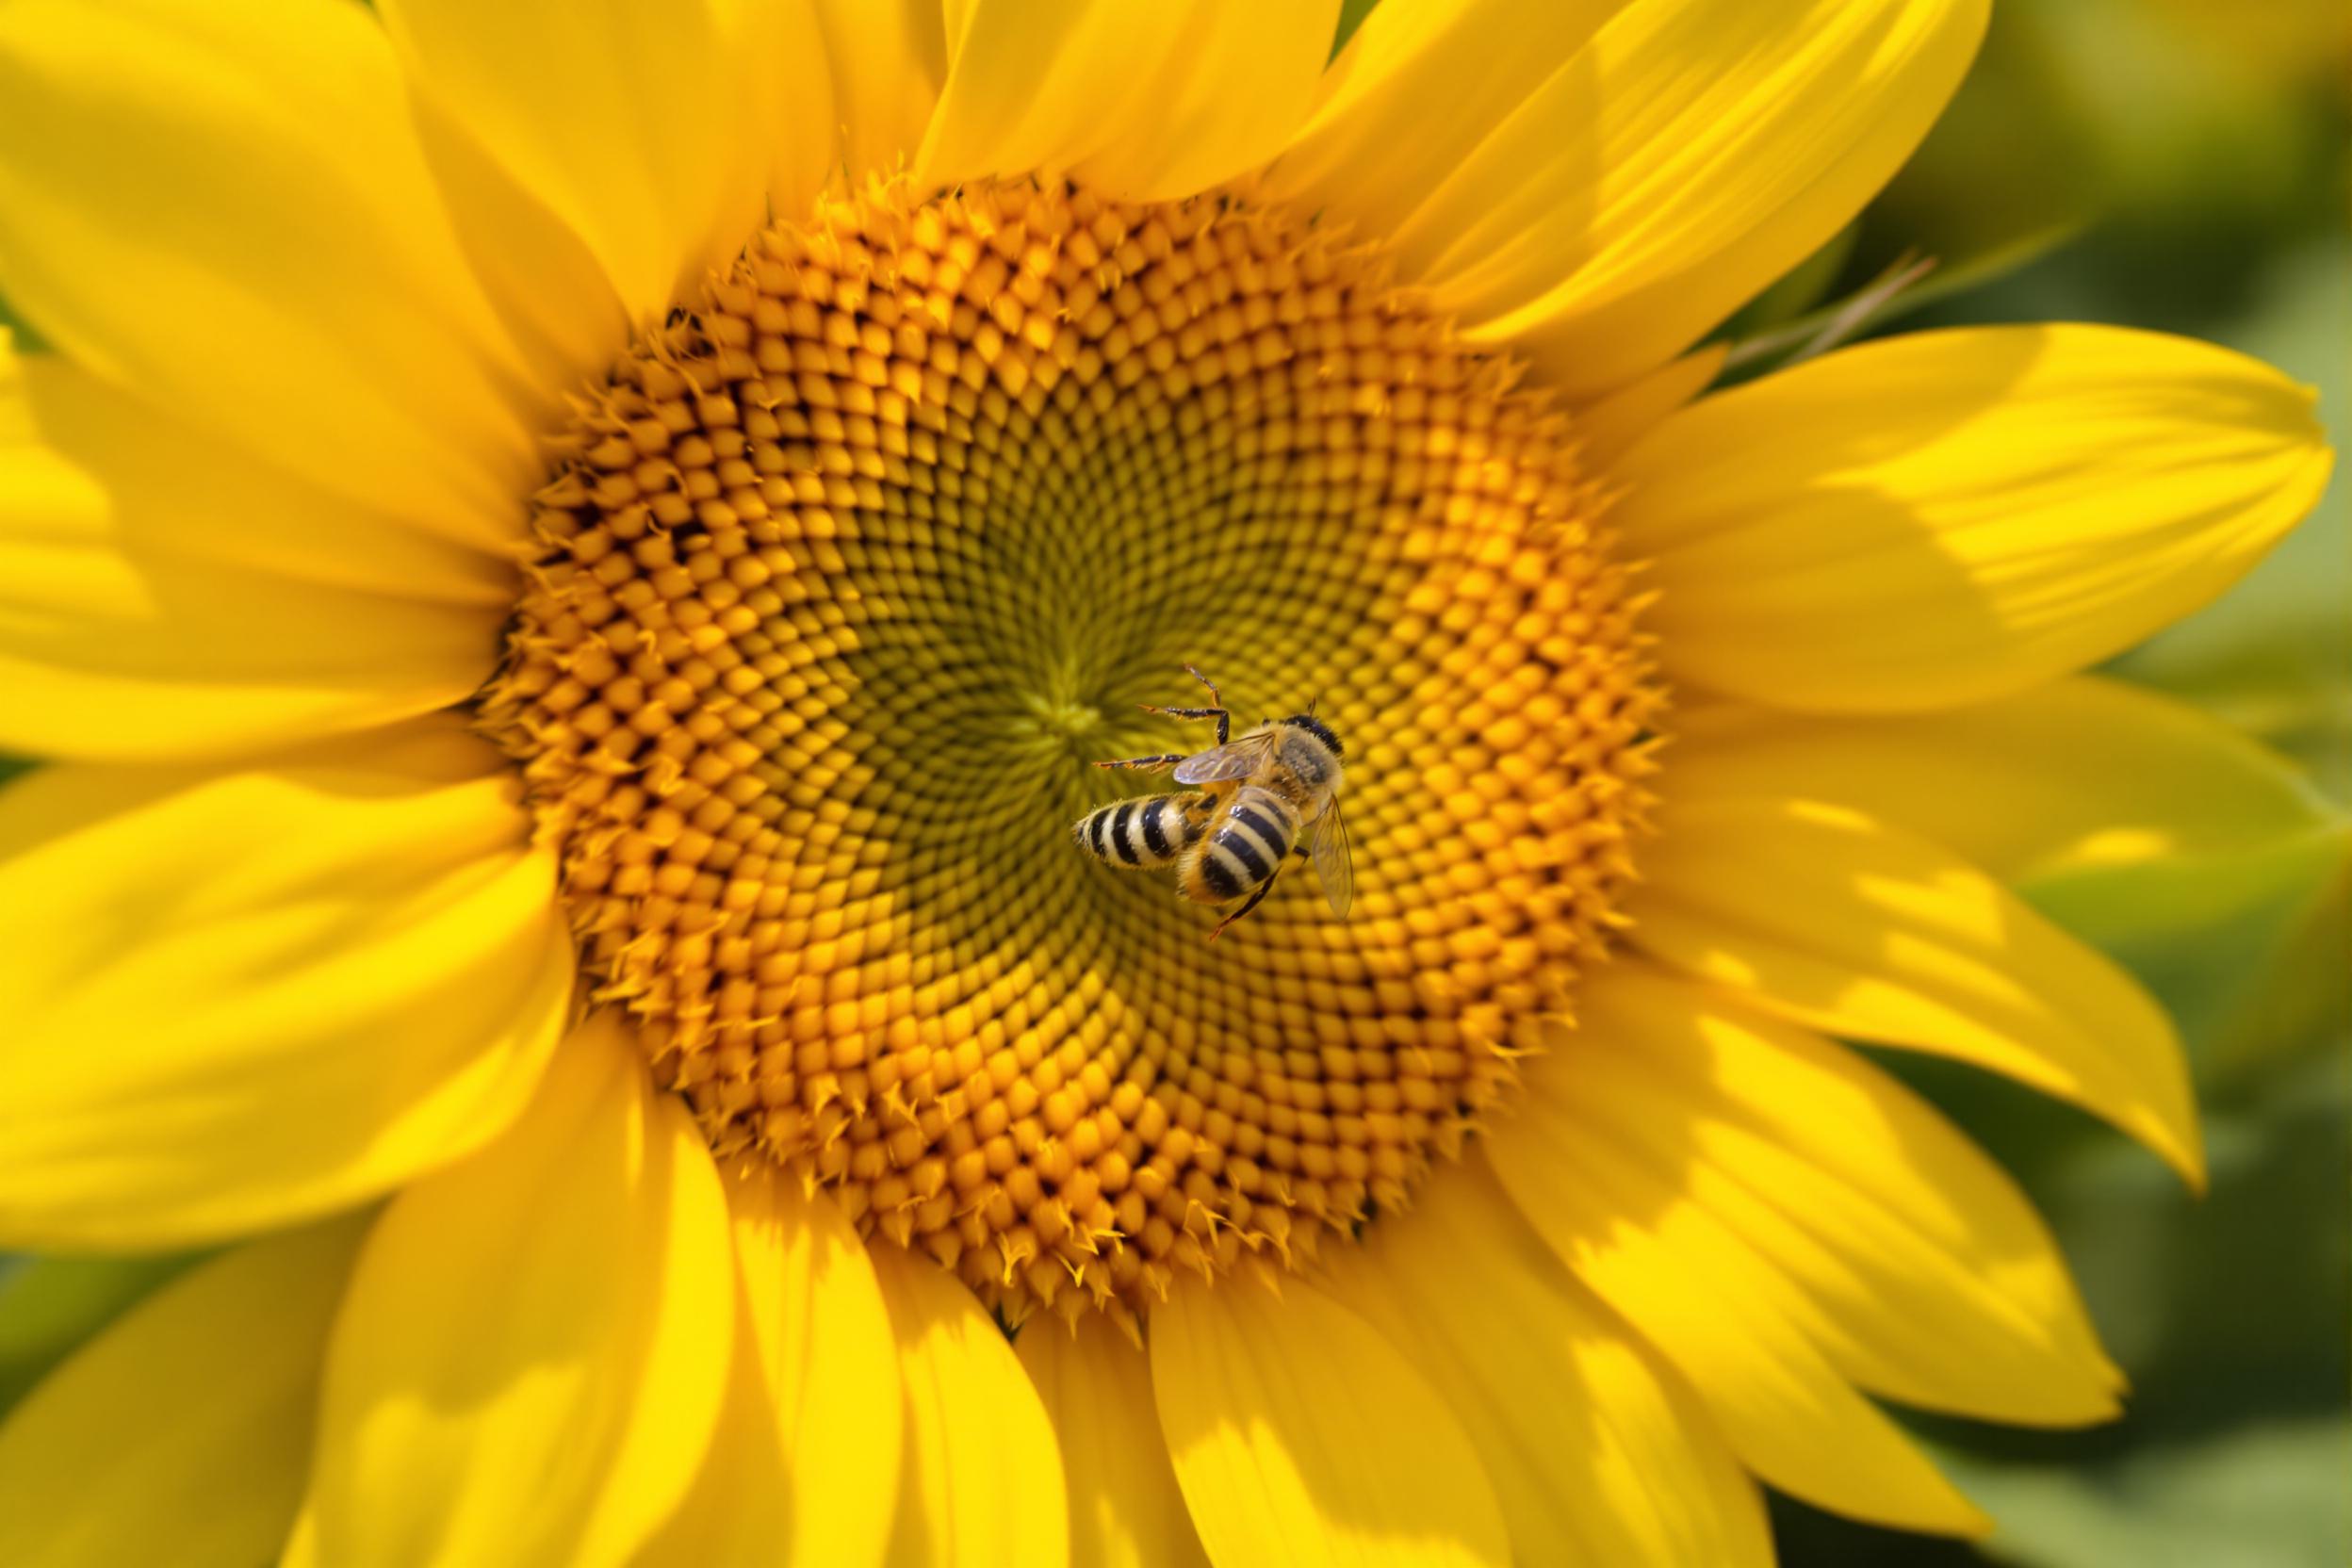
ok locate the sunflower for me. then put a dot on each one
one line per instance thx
(575, 558)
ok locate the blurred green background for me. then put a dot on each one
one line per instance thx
(2182, 165)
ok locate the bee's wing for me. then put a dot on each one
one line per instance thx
(1333, 866)
(1238, 759)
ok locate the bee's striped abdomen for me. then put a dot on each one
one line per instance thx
(1142, 835)
(1245, 846)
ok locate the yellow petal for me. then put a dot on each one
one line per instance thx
(530, 1360)
(1125, 1511)
(1828, 917)
(1035, 84)
(1301, 1436)
(1688, 154)
(313, 981)
(1420, 85)
(163, 594)
(1597, 1451)
(225, 209)
(828, 1361)
(1605, 428)
(794, 82)
(2086, 772)
(887, 58)
(181, 1434)
(1633, 1229)
(981, 1481)
(1923, 1272)
(1141, 102)
(645, 123)
(737, 1514)
(1953, 516)
(550, 290)
(803, 1465)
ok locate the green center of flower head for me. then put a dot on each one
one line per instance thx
(851, 571)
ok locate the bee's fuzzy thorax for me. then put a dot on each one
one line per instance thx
(1320, 730)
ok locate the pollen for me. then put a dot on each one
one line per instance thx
(846, 575)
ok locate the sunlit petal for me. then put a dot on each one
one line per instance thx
(534, 1351)
(1935, 519)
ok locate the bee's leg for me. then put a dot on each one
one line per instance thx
(1165, 760)
(1224, 720)
(1263, 888)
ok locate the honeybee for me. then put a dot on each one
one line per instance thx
(1259, 796)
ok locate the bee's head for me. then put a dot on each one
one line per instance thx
(1320, 730)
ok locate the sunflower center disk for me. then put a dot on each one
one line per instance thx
(851, 571)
